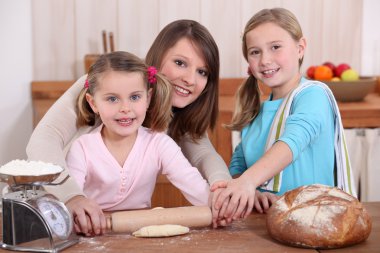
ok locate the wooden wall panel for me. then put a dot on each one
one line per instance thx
(136, 33)
(341, 32)
(66, 30)
(222, 18)
(53, 40)
(92, 17)
(170, 10)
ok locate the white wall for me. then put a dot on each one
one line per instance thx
(15, 78)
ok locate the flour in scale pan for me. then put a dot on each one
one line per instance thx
(29, 168)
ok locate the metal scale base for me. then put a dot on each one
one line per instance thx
(35, 221)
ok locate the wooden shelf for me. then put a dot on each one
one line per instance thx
(44, 95)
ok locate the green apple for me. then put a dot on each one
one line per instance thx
(350, 75)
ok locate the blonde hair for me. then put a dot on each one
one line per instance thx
(197, 117)
(159, 111)
(248, 106)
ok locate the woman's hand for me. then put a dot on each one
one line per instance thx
(218, 184)
(88, 216)
(264, 200)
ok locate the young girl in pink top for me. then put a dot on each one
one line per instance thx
(118, 162)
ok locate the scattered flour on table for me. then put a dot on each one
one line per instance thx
(91, 243)
(29, 168)
(96, 244)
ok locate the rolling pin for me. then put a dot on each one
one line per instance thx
(130, 221)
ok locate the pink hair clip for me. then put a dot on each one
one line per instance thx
(86, 84)
(152, 71)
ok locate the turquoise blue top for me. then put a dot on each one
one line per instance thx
(309, 133)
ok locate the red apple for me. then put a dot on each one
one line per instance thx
(310, 72)
(340, 69)
(330, 65)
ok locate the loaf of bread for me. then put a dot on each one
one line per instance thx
(318, 216)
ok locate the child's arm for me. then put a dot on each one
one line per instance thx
(241, 191)
(181, 173)
(88, 216)
(237, 164)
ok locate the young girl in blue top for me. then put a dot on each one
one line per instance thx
(295, 137)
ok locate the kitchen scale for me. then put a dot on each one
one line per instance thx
(34, 220)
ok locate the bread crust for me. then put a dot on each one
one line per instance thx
(320, 217)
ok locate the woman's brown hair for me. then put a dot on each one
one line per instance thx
(248, 94)
(159, 112)
(200, 115)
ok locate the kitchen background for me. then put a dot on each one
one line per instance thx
(47, 40)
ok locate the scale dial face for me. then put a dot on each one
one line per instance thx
(57, 216)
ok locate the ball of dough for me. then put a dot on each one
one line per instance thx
(318, 216)
(161, 231)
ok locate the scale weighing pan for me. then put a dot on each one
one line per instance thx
(13, 180)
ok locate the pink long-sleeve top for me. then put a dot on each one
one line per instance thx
(131, 187)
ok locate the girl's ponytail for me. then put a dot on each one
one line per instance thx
(85, 115)
(159, 112)
(247, 104)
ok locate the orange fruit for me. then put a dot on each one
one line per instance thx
(323, 73)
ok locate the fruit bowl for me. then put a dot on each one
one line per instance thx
(350, 91)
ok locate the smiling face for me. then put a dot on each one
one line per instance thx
(121, 99)
(186, 70)
(273, 57)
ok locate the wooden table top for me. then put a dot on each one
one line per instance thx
(242, 236)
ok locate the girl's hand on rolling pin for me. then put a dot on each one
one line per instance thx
(88, 216)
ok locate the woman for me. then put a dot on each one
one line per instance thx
(185, 52)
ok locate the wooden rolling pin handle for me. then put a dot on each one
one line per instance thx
(130, 221)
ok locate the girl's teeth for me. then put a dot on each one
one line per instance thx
(181, 90)
(269, 72)
(125, 120)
